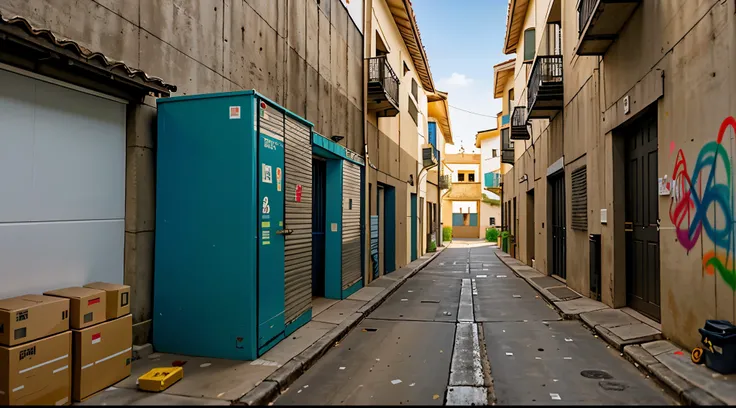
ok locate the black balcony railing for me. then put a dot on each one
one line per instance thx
(585, 11)
(519, 130)
(547, 70)
(445, 182)
(380, 72)
(507, 156)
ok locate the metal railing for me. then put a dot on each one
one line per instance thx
(518, 118)
(507, 156)
(380, 71)
(547, 68)
(445, 182)
(492, 180)
(585, 11)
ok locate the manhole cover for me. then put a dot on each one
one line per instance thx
(596, 374)
(612, 385)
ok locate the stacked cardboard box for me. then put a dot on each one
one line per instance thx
(35, 351)
(102, 336)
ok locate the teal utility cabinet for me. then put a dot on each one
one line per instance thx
(233, 209)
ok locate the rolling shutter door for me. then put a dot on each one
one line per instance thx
(298, 258)
(351, 262)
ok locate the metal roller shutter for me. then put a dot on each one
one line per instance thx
(350, 224)
(298, 259)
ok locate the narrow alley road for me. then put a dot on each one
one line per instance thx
(434, 341)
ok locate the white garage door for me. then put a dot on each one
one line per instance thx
(62, 186)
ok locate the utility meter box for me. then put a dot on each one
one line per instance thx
(233, 171)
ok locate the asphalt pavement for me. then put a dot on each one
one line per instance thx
(466, 330)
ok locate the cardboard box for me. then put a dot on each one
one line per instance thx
(37, 373)
(87, 305)
(117, 299)
(31, 317)
(102, 356)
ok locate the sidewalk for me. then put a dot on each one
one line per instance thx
(210, 381)
(638, 338)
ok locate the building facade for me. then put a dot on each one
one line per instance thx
(110, 60)
(464, 207)
(622, 129)
(403, 203)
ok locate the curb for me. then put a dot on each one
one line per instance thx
(684, 390)
(280, 380)
(550, 298)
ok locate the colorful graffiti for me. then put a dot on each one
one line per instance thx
(703, 205)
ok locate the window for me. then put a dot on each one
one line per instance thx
(414, 89)
(511, 101)
(471, 177)
(460, 176)
(413, 112)
(530, 44)
(579, 181)
(493, 221)
(494, 153)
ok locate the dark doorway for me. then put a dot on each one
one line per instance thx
(642, 214)
(530, 227)
(319, 199)
(559, 248)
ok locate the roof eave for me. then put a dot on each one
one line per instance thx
(20, 30)
(413, 40)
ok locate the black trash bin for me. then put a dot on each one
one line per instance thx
(719, 341)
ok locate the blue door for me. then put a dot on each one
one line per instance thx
(271, 284)
(319, 199)
(413, 227)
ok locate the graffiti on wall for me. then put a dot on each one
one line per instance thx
(702, 204)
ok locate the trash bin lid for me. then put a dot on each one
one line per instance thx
(720, 326)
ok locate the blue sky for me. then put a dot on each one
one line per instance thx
(463, 39)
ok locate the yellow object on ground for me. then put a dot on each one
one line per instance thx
(159, 379)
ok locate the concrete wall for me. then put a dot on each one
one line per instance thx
(304, 55)
(674, 57)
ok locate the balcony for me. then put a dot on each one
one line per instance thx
(383, 87)
(492, 182)
(464, 191)
(445, 182)
(544, 91)
(600, 21)
(519, 130)
(507, 156)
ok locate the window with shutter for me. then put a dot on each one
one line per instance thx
(579, 180)
(414, 89)
(413, 112)
(530, 43)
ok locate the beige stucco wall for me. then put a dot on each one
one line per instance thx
(393, 142)
(672, 55)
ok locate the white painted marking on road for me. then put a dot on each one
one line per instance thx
(568, 358)
(555, 380)
(397, 381)
(481, 276)
(466, 368)
(500, 276)
(404, 300)
(517, 296)
(509, 354)
(568, 340)
(537, 358)
(412, 384)
(465, 309)
(555, 397)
